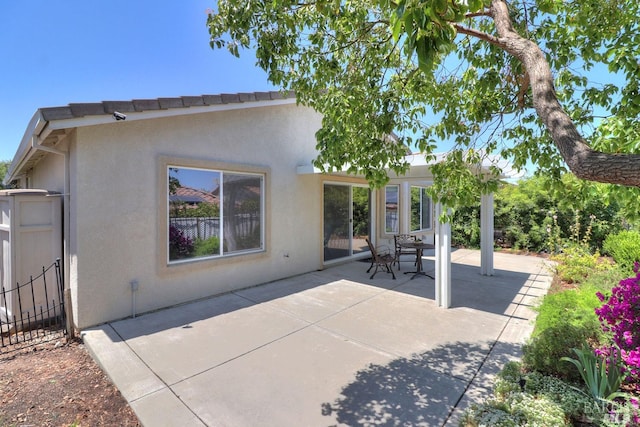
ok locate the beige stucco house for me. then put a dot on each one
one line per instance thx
(139, 235)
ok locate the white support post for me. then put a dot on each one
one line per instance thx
(486, 234)
(443, 261)
(404, 203)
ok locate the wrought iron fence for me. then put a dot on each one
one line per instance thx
(33, 311)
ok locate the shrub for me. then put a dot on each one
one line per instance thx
(210, 246)
(465, 228)
(565, 320)
(575, 263)
(571, 307)
(543, 352)
(623, 247)
(180, 246)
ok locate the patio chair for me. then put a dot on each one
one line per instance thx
(381, 258)
(399, 250)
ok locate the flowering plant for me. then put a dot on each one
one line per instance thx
(180, 246)
(620, 315)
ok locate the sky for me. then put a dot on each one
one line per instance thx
(53, 53)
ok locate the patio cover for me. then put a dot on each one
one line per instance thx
(419, 171)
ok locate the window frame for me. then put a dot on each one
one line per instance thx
(423, 193)
(397, 210)
(166, 162)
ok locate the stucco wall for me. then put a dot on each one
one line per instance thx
(117, 212)
(49, 173)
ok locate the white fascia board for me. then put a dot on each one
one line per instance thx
(35, 127)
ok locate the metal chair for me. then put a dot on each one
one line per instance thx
(398, 239)
(380, 258)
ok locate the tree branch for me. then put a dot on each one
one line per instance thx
(477, 14)
(581, 159)
(479, 35)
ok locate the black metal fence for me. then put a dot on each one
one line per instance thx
(33, 311)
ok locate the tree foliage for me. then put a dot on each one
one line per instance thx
(483, 76)
(534, 216)
(4, 168)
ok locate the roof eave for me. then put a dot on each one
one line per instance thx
(25, 149)
(47, 120)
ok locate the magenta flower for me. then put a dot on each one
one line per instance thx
(620, 315)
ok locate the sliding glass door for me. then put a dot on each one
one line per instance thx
(347, 220)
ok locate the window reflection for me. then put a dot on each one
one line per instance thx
(213, 213)
(391, 208)
(420, 209)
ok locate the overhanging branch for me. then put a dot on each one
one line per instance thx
(581, 159)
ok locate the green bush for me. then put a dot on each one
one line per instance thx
(543, 352)
(210, 246)
(623, 247)
(576, 263)
(465, 228)
(526, 213)
(573, 307)
(565, 320)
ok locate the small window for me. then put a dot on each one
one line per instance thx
(420, 209)
(214, 213)
(391, 209)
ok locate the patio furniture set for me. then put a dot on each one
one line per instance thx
(404, 244)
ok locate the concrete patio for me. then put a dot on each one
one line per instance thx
(328, 348)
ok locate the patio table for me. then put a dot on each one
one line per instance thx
(419, 247)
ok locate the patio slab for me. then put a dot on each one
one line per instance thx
(326, 348)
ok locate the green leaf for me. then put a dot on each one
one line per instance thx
(440, 6)
(475, 5)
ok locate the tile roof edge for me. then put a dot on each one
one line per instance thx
(79, 110)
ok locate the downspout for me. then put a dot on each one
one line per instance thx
(66, 227)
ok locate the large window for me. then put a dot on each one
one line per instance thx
(420, 209)
(391, 209)
(214, 213)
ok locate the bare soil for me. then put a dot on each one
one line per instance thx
(56, 383)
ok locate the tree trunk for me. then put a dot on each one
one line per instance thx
(583, 161)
